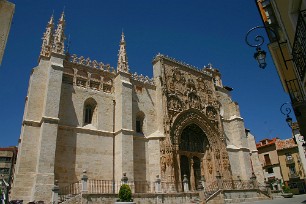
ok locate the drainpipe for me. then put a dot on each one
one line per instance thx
(114, 108)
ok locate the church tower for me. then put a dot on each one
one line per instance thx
(124, 116)
(34, 176)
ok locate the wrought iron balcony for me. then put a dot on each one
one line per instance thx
(299, 45)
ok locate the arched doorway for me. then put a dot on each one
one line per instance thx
(192, 144)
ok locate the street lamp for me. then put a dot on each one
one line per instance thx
(286, 110)
(260, 55)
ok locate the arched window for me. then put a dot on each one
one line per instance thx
(139, 122)
(90, 112)
(192, 139)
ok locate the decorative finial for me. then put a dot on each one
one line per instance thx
(51, 21)
(47, 39)
(122, 56)
(62, 16)
(122, 37)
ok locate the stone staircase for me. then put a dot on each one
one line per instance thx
(73, 199)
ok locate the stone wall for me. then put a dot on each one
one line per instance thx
(81, 149)
(141, 198)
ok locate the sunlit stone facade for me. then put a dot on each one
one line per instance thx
(81, 114)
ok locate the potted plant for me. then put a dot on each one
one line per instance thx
(125, 195)
(287, 192)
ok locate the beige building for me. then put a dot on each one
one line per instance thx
(81, 114)
(7, 163)
(285, 23)
(6, 15)
(256, 162)
(291, 165)
(299, 139)
(268, 157)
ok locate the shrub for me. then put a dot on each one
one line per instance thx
(125, 193)
(286, 189)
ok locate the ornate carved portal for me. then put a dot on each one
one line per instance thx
(196, 149)
(194, 144)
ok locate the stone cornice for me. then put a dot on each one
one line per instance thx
(87, 130)
(31, 123)
(125, 131)
(44, 119)
(232, 118)
(254, 151)
(233, 148)
(51, 120)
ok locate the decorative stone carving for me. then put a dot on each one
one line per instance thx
(59, 36)
(194, 101)
(211, 113)
(202, 84)
(92, 64)
(142, 79)
(178, 77)
(175, 104)
(47, 39)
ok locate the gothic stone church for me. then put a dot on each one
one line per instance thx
(83, 114)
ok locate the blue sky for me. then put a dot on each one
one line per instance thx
(197, 32)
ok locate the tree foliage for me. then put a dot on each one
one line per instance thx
(125, 193)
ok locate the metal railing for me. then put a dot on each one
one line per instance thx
(299, 45)
(113, 187)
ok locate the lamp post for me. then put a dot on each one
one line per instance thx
(260, 55)
(286, 110)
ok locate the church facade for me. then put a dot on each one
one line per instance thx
(81, 114)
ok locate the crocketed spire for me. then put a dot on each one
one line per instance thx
(59, 36)
(47, 39)
(123, 65)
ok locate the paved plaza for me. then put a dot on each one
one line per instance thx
(294, 199)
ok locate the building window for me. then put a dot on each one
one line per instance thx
(90, 112)
(139, 122)
(270, 170)
(138, 126)
(4, 170)
(267, 159)
(5, 159)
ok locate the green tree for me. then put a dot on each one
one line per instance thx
(125, 193)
